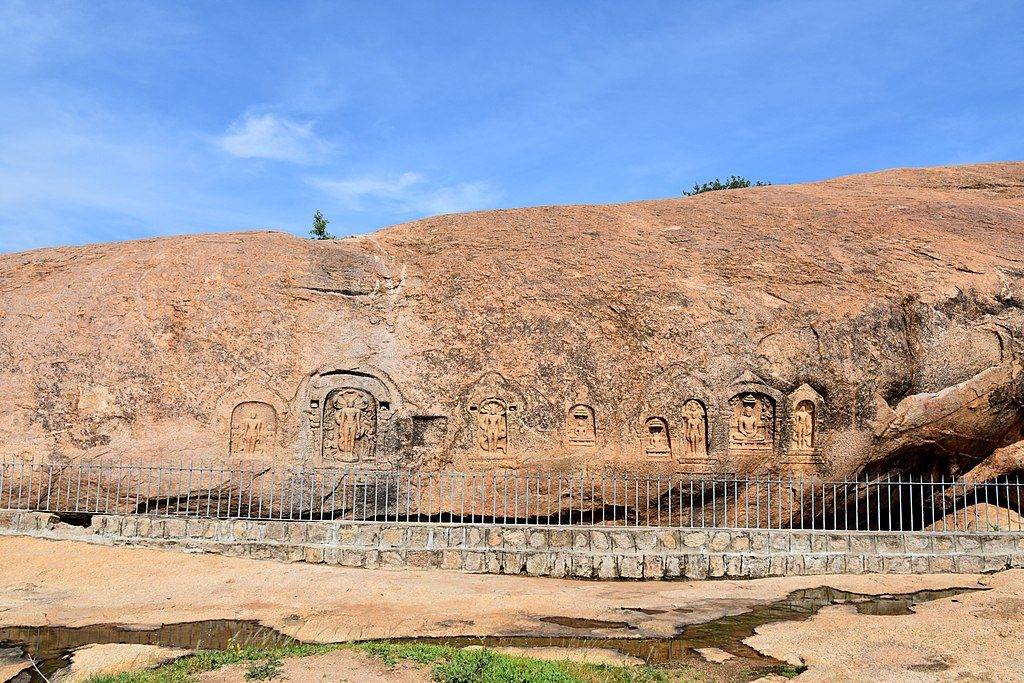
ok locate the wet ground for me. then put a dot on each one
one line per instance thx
(51, 647)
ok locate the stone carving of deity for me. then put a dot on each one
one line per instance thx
(803, 427)
(752, 422)
(492, 426)
(252, 433)
(581, 428)
(695, 429)
(349, 425)
(656, 438)
(253, 424)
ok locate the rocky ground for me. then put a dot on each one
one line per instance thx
(973, 636)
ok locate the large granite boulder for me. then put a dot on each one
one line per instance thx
(866, 324)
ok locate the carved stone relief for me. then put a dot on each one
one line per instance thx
(805, 410)
(752, 424)
(657, 443)
(803, 428)
(494, 428)
(253, 429)
(695, 431)
(352, 417)
(349, 425)
(581, 427)
(491, 426)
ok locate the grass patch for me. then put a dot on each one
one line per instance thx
(790, 671)
(449, 665)
(267, 670)
(488, 666)
(183, 670)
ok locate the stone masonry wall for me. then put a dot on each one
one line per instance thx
(578, 552)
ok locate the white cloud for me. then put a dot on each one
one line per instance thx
(353, 191)
(409, 192)
(269, 136)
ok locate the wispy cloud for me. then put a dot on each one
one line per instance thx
(408, 192)
(270, 136)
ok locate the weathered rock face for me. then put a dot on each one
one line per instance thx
(865, 324)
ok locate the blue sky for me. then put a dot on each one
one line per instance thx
(123, 120)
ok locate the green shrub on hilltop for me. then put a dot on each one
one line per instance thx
(319, 231)
(734, 182)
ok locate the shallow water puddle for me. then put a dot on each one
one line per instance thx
(52, 646)
(726, 633)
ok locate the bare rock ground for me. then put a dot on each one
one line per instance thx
(973, 636)
(76, 584)
(114, 658)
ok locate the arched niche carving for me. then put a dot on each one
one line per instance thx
(581, 426)
(349, 415)
(752, 421)
(253, 430)
(806, 406)
(657, 442)
(349, 426)
(750, 416)
(494, 407)
(247, 436)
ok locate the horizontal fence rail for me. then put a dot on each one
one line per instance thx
(505, 497)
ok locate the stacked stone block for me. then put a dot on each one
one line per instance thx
(576, 552)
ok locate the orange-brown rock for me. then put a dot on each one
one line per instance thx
(865, 324)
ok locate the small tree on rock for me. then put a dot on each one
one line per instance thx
(319, 231)
(734, 182)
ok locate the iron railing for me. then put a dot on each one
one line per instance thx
(507, 497)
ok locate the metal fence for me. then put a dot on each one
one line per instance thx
(505, 497)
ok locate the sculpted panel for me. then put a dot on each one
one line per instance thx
(753, 422)
(491, 426)
(803, 427)
(349, 425)
(581, 426)
(253, 428)
(657, 442)
(695, 426)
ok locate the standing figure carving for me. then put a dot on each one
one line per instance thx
(492, 426)
(803, 427)
(350, 425)
(656, 439)
(253, 427)
(695, 421)
(753, 421)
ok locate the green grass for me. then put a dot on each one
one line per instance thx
(184, 669)
(266, 670)
(449, 665)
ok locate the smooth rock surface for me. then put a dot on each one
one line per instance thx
(113, 658)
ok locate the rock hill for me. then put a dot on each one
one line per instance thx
(866, 324)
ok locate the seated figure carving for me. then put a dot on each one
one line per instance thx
(752, 423)
(656, 438)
